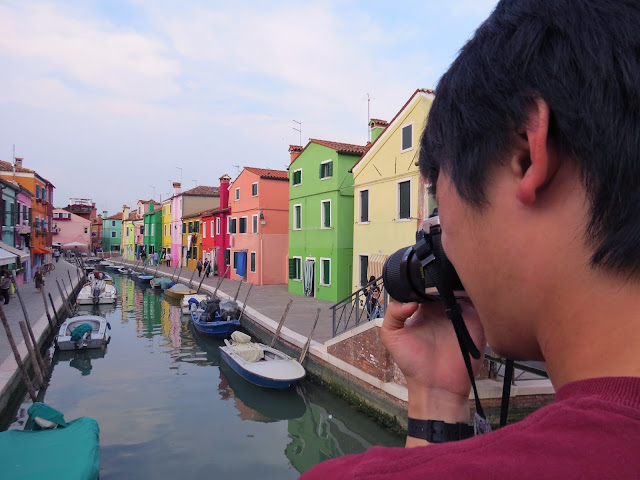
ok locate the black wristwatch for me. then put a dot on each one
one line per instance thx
(437, 431)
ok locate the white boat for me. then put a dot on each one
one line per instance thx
(83, 331)
(100, 276)
(260, 364)
(97, 292)
(125, 271)
(184, 303)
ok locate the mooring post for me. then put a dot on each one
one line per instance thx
(54, 309)
(26, 318)
(191, 279)
(306, 345)
(238, 291)
(65, 288)
(46, 310)
(30, 348)
(284, 315)
(173, 277)
(16, 356)
(64, 301)
(244, 305)
(220, 281)
(200, 284)
(70, 282)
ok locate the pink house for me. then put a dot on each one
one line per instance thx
(215, 239)
(71, 228)
(259, 226)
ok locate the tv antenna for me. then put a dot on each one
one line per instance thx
(154, 191)
(237, 168)
(299, 130)
(180, 168)
(369, 98)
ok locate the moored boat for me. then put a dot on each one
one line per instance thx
(217, 327)
(178, 291)
(144, 278)
(83, 331)
(160, 282)
(97, 292)
(185, 304)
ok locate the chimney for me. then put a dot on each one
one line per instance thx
(18, 161)
(295, 151)
(125, 212)
(224, 190)
(176, 188)
(377, 127)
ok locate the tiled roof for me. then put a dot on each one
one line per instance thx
(376, 122)
(117, 216)
(8, 167)
(203, 191)
(271, 174)
(346, 148)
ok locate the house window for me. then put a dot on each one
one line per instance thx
(252, 260)
(204, 230)
(184, 227)
(325, 212)
(212, 232)
(297, 177)
(404, 199)
(37, 191)
(325, 271)
(254, 189)
(164, 230)
(113, 223)
(238, 193)
(407, 137)
(235, 259)
(190, 227)
(243, 225)
(231, 225)
(254, 224)
(297, 217)
(55, 214)
(218, 226)
(326, 169)
(86, 229)
(295, 268)
(364, 270)
(113, 234)
(364, 206)
(227, 256)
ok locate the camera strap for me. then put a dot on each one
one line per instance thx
(434, 266)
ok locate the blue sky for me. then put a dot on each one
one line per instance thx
(105, 98)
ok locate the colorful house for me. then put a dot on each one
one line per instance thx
(191, 239)
(152, 236)
(72, 228)
(166, 230)
(391, 200)
(128, 234)
(258, 226)
(9, 210)
(111, 232)
(14, 253)
(321, 218)
(215, 239)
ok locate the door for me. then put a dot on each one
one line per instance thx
(309, 277)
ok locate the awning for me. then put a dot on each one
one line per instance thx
(376, 263)
(41, 251)
(23, 255)
(6, 258)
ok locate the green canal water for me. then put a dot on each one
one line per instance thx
(168, 407)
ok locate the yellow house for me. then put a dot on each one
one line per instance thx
(391, 200)
(166, 227)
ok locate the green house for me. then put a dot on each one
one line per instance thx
(152, 234)
(111, 232)
(321, 218)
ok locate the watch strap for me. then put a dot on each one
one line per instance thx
(437, 431)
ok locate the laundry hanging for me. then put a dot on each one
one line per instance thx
(307, 278)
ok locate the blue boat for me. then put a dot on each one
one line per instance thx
(260, 364)
(218, 328)
(144, 278)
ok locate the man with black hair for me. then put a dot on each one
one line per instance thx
(533, 149)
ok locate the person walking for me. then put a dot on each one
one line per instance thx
(199, 267)
(207, 270)
(56, 255)
(39, 279)
(5, 286)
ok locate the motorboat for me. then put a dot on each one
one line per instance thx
(143, 277)
(100, 276)
(96, 292)
(185, 301)
(260, 364)
(125, 271)
(216, 326)
(83, 331)
(178, 291)
(161, 282)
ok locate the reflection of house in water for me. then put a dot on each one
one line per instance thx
(127, 294)
(150, 313)
(171, 325)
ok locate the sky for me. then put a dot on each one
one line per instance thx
(114, 100)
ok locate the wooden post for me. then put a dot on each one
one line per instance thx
(220, 281)
(200, 284)
(244, 305)
(191, 279)
(70, 282)
(65, 289)
(64, 301)
(54, 309)
(306, 345)
(26, 318)
(238, 291)
(46, 310)
(157, 266)
(32, 353)
(173, 277)
(16, 356)
(179, 273)
(284, 315)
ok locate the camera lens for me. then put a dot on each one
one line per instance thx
(403, 276)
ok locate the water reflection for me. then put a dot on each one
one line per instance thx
(79, 359)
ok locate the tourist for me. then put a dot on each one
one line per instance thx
(56, 255)
(206, 267)
(375, 304)
(5, 286)
(39, 279)
(155, 258)
(531, 147)
(368, 294)
(199, 267)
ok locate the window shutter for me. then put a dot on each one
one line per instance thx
(330, 169)
(320, 174)
(292, 268)
(30, 220)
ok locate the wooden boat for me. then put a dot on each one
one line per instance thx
(178, 291)
(53, 448)
(160, 282)
(92, 334)
(184, 303)
(260, 364)
(218, 328)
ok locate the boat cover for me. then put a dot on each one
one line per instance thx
(80, 330)
(242, 346)
(69, 453)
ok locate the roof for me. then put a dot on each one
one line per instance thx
(8, 167)
(216, 211)
(344, 148)
(370, 146)
(270, 174)
(202, 191)
(117, 216)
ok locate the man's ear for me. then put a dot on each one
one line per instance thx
(535, 162)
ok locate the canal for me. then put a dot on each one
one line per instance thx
(169, 408)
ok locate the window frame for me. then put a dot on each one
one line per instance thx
(330, 168)
(398, 217)
(322, 215)
(218, 225)
(409, 148)
(293, 219)
(298, 268)
(246, 224)
(293, 178)
(113, 234)
(236, 195)
(254, 223)
(320, 281)
(252, 259)
(254, 184)
(368, 220)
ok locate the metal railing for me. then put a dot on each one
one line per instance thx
(356, 309)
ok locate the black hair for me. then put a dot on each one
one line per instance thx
(582, 57)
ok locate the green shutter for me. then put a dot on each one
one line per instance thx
(292, 268)
(330, 169)
(326, 272)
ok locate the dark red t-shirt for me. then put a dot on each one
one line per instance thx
(592, 430)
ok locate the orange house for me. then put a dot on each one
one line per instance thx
(259, 226)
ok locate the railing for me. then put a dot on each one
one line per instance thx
(355, 309)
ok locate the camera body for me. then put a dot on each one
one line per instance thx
(415, 273)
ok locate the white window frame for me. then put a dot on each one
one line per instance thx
(360, 206)
(293, 220)
(298, 270)
(410, 124)
(324, 163)
(113, 235)
(322, 222)
(254, 223)
(360, 255)
(229, 227)
(255, 262)
(237, 194)
(218, 225)
(402, 180)
(212, 223)
(204, 230)
(297, 184)
(246, 225)
(322, 272)
(256, 184)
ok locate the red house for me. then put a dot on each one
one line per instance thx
(215, 238)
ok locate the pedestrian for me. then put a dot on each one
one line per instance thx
(56, 255)
(207, 271)
(199, 267)
(5, 286)
(155, 258)
(39, 279)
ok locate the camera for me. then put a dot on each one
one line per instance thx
(417, 273)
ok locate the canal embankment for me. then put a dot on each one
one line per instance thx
(44, 312)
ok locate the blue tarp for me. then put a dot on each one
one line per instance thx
(241, 266)
(80, 330)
